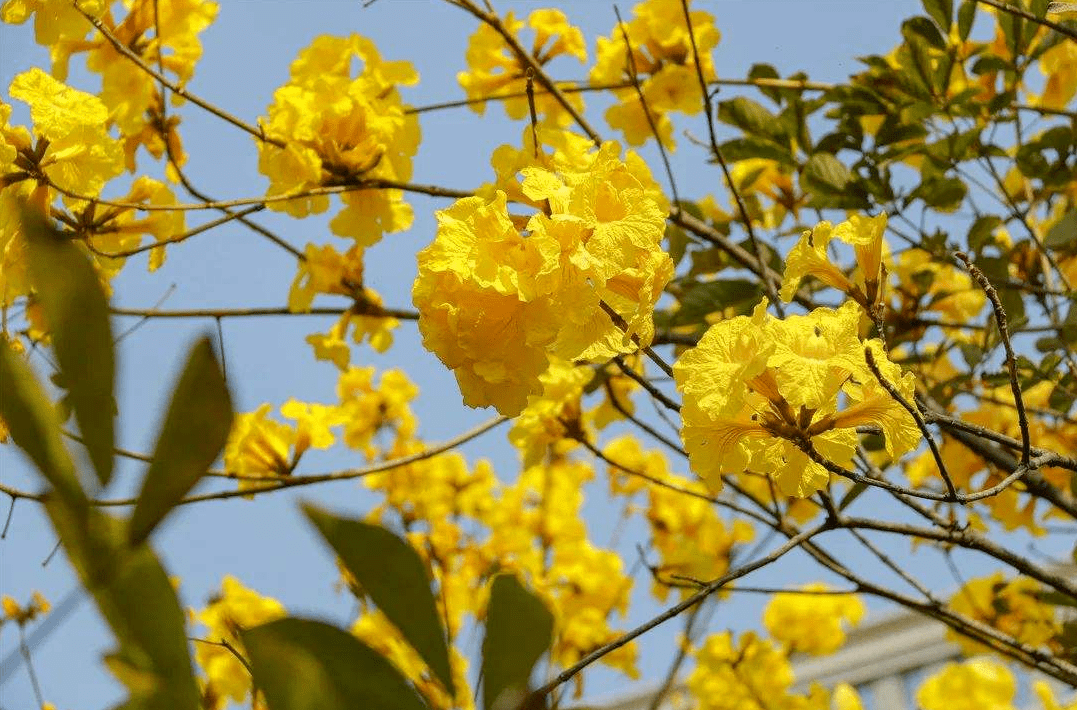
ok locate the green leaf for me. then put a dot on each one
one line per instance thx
(519, 629)
(702, 298)
(924, 28)
(137, 599)
(32, 421)
(825, 174)
(966, 15)
(755, 147)
(751, 117)
(193, 434)
(76, 311)
(394, 576)
(941, 11)
(943, 194)
(302, 664)
(1063, 235)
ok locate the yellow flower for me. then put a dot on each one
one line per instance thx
(325, 270)
(552, 416)
(810, 257)
(73, 148)
(811, 623)
(1059, 65)
(1011, 606)
(978, 684)
(366, 410)
(665, 66)
(234, 609)
(494, 69)
(752, 674)
(581, 285)
(340, 131)
(54, 20)
(764, 395)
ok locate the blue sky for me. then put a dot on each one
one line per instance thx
(264, 543)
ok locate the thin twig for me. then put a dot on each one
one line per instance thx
(247, 312)
(1011, 359)
(869, 357)
(678, 609)
(651, 389)
(179, 237)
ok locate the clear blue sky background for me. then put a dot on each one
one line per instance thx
(264, 543)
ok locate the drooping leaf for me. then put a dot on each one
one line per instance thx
(981, 230)
(77, 314)
(302, 664)
(519, 629)
(137, 599)
(192, 435)
(394, 576)
(32, 422)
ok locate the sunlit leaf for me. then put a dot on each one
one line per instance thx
(192, 435)
(394, 577)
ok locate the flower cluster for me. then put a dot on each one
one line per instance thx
(778, 396)
(259, 447)
(499, 294)
(495, 69)
(810, 621)
(340, 130)
(234, 609)
(665, 66)
(692, 541)
(1013, 606)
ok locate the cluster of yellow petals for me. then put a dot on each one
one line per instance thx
(20, 614)
(811, 621)
(499, 294)
(1012, 606)
(324, 270)
(340, 130)
(260, 447)
(665, 68)
(770, 395)
(1012, 507)
(162, 33)
(234, 609)
(495, 69)
(691, 540)
(752, 673)
(71, 151)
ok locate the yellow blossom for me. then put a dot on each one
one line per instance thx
(73, 149)
(810, 257)
(552, 416)
(1011, 606)
(234, 609)
(338, 131)
(366, 409)
(494, 69)
(811, 623)
(579, 282)
(665, 66)
(978, 684)
(765, 395)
